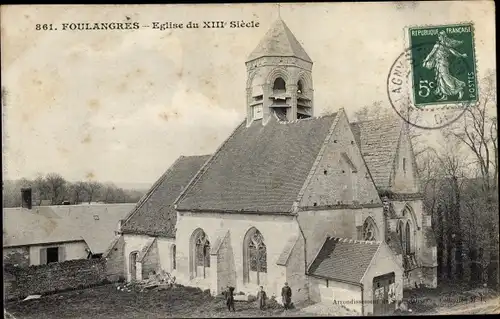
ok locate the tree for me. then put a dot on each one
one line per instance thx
(479, 133)
(76, 192)
(57, 188)
(92, 188)
(41, 188)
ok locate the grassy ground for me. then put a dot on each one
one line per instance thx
(107, 302)
(180, 302)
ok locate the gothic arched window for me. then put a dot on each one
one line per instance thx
(400, 231)
(408, 238)
(370, 231)
(201, 253)
(279, 86)
(255, 259)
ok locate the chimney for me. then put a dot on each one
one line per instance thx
(26, 200)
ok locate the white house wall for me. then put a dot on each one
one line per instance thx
(334, 292)
(72, 250)
(383, 263)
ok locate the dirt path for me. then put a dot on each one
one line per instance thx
(490, 306)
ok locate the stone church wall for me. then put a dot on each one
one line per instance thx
(295, 272)
(151, 261)
(404, 180)
(137, 243)
(341, 176)
(116, 261)
(226, 274)
(275, 229)
(317, 224)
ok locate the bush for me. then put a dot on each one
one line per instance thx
(106, 281)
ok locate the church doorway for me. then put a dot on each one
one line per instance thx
(383, 290)
(133, 267)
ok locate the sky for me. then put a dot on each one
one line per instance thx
(122, 105)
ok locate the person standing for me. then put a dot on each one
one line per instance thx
(229, 294)
(286, 296)
(261, 298)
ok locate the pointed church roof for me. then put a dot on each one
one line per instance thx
(279, 41)
(258, 169)
(154, 214)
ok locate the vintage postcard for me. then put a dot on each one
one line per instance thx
(249, 160)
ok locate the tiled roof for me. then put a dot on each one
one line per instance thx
(343, 259)
(95, 224)
(378, 140)
(279, 41)
(155, 214)
(260, 168)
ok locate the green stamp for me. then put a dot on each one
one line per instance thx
(443, 65)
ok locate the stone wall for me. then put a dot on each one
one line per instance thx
(296, 272)
(17, 256)
(163, 253)
(115, 261)
(226, 268)
(42, 279)
(275, 229)
(317, 224)
(341, 176)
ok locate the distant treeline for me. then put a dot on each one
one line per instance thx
(53, 189)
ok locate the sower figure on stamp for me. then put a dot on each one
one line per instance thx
(438, 60)
(286, 296)
(228, 294)
(261, 298)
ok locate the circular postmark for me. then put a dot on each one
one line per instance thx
(429, 94)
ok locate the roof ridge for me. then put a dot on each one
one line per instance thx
(355, 241)
(306, 119)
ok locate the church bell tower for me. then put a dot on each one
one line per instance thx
(279, 79)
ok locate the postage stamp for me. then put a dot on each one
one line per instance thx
(443, 64)
(433, 82)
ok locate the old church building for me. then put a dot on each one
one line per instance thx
(329, 206)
